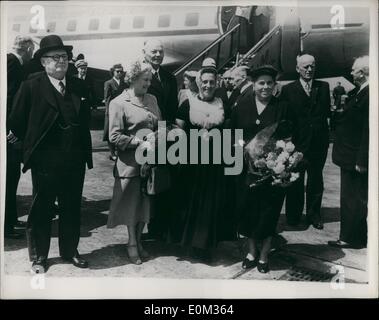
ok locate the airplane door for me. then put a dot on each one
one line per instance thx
(290, 44)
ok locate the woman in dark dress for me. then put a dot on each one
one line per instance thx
(204, 202)
(258, 208)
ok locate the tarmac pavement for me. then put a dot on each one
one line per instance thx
(301, 254)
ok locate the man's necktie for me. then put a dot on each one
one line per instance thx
(62, 88)
(308, 88)
(156, 76)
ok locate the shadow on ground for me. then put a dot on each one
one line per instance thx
(93, 217)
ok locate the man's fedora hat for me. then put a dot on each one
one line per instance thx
(51, 42)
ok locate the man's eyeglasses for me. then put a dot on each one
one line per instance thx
(119, 71)
(57, 57)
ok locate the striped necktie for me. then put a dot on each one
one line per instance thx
(62, 88)
(308, 88)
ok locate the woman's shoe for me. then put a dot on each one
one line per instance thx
(142, 252)
(263, 267)
(248, 264)
(133, 254)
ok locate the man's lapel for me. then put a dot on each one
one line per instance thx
(115, 84)
(47, 92)
(76, 100)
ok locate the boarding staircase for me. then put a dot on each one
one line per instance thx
(278, 48)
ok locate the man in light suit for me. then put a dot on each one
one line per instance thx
(112, 88)
(350, 153)
(164, 87)
(309, 107)
(23, 48)
(50, 117)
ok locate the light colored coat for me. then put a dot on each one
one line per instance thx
(127, 115)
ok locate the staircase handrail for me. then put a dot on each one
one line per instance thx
(259, 44)
(204, 51)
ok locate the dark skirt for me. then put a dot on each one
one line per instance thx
(204, 206)
(261, 212)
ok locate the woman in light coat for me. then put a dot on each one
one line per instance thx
(134, 109)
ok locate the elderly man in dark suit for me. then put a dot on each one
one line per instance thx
(309, 107)
(227, 92)
(163, 84)
(82, 68)
(350, 153)
(164, 87)
(112, 88)
(23, 48)
(51, 119)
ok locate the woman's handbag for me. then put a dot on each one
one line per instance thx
(155, 179)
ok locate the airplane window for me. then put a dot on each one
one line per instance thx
(51, 26)
(71, 25)
(164, 21)
(94, 24)
(192, 19)
(16, 27)
(138, 22)
(115, 23)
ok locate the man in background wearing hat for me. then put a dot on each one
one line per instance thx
(23, 48)
(309, 105)
(82, 67)
(49, 116)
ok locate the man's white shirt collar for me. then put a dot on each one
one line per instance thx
(305, 83)
(157, 73)
(117, 80)
(55, 82)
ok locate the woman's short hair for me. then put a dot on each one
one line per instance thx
(114, 67)
(135, 69)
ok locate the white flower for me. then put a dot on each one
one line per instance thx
(271, 156)
(260, 163)
(241, 143)
(283, 156)
(280, 144)
(294, 176)
(270, 164)
(290, 147)
(279, 168)
(276, 181)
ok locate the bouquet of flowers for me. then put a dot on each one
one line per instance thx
(271, 159)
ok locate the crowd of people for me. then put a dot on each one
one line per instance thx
(194, 205)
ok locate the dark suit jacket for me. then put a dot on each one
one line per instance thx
(111, 91)
(309, 115)
(166, 92)
(228, 102)
(88, 82)
(352, 132)
(15, 75)
(35, 111)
